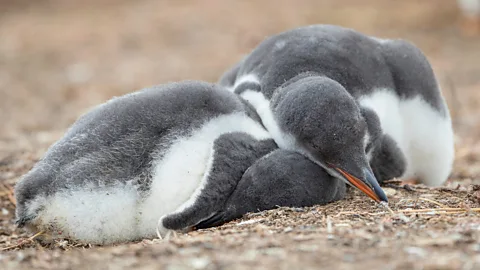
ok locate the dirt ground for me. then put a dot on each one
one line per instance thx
(58, 58)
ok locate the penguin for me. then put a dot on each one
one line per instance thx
(325, 91)
(158, 151)
(281, 178)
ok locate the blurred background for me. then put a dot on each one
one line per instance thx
(59, 57)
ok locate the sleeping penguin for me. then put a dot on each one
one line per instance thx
(325, 91)
(281, 178)
(137, 157)
(176, 151)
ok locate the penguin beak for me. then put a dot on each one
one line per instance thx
(368, 186)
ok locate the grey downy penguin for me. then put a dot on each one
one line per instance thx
(281, 178)
(135, 158)
(325, 91)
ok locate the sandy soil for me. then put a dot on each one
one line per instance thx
(58, 58)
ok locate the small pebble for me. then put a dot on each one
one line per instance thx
(199, 263)
(420, 252)
(20, 256)
(389, 191)
(348, 258)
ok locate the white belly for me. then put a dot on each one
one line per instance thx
(181, 174)
(262, 106)
(103, 215)
(423, 135)
(92, 214)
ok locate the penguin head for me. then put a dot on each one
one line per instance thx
(330, 129)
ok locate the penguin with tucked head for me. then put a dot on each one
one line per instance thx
(363, 108)
(135, 158)
(281, 178)
(176, 151)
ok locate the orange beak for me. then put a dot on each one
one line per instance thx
(377, 195)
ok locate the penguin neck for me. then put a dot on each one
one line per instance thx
(251, 112)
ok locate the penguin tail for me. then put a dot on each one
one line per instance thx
(217, 219)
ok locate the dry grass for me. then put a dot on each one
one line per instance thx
(56, 60)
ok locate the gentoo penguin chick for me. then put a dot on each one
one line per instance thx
(363, 108)
(281, 178)
(138, 157)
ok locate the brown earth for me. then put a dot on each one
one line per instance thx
(58, 58)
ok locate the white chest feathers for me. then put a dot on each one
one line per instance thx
(423, 134)
(262, 106)
(103, 215)
(181, 174)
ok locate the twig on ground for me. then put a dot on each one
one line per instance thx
(7, 190)
(385, 205)
(11, 198)
(24, 242)
(442, 210)
(446, 209)
(392, 181)
(434, 202)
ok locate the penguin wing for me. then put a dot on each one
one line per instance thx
(388, 161)
(216, 219)
(280, 178)
(232, 154)
(111, 143)
(412, 73)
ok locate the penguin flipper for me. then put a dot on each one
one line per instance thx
(216, 219)
(388, 161)
(232, 154)
(281, 178)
